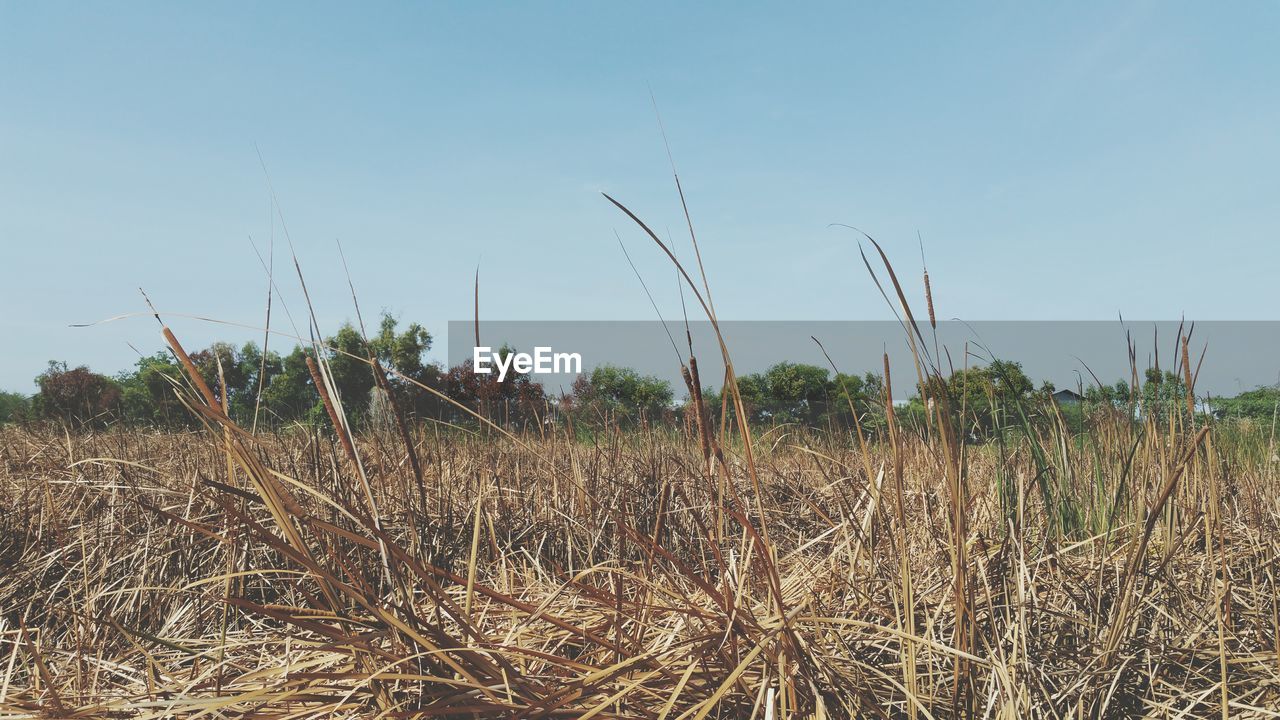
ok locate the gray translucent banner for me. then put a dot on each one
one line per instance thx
(1237, 355)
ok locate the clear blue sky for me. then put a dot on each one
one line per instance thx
(1061, 160)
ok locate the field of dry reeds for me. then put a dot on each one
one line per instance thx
(223, 574)
(416, 570)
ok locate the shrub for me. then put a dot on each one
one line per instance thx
(77, 395)
(14, 407)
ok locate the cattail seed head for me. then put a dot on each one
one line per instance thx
(928, 298)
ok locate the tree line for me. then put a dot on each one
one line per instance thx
(272, 389)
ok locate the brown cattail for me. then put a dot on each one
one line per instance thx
(690, 417)
(338, 427)
(196, 378)
(704, 433)
(1186, 373)
(928, 298)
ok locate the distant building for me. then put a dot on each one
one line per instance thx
(1067, 397)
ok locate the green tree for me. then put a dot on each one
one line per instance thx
(402, 355)
(799, 393)
(984, 397)
(240, 370)
(1108, 403)
(14, 407)
(148, 393)
(1261, 404)
(352, 376)
(620, 395)
(405, 351)
(865, 393)
(290, 396)
(753, 389)
(796, 392)
(1163, 397)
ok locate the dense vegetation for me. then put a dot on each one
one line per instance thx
(309, 572)
(273, 390)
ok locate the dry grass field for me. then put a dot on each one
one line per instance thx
(1123, 567)
(1130, 571)
(504, 489)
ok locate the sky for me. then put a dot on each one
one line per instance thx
(1060, 161)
